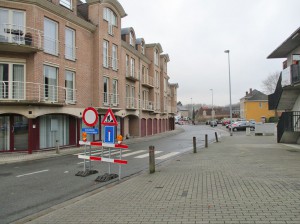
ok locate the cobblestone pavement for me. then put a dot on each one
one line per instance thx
(242, 179)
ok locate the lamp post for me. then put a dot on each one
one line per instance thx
(230, 106)
(192, 109)
(212, 104)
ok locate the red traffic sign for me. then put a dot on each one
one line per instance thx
(109, 118)
(90, 116)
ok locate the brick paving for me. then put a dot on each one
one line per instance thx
(242, 179)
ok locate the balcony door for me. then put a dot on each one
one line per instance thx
(12, 85)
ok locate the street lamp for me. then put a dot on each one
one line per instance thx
(227, 52)
(212, 104)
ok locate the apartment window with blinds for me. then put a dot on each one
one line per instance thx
(115, 92)
(111, 18)
(131, 40)
(105, 90)
(105, 54)
(50, 36)
(132, 63)
(156, 57)
(70, 44)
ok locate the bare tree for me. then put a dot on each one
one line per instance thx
(269, 84)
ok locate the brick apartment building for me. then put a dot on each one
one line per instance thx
(58, 57)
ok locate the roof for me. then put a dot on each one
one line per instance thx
(127, 30)
(139, 41)
(114, 3)
(291, 43)
(155, 45)
(256, 96)
(166, 56)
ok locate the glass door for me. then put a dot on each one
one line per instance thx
(4, 133)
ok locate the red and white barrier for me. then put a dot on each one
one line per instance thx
(118, 146)
(95, 158)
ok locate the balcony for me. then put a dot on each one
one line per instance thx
(21, 39)
(132, 75)
(287, 89)
(110, 99)
(131, 103)
(35, 93)
(147, 81)
(147, 105)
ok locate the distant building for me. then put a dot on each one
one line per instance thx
(254, 105)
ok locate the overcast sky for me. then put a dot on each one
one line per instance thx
(195, 34)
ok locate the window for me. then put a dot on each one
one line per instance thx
(143, 47)
(132, 64)
(127, 65)
(12, 26)
(105, 90)
(70, 44)
(114, 57)
(70, 86)
(156, 57)
(105, 54)
(157, 83)
(115, 92)
(111, 18)
(66, 3)
(50, 83)
(131, 41)
(50, 37)
(12, 85)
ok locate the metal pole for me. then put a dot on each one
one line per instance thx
(216, 134)
(151, 159)
(227, 51)
(212, 104)
(206, 141)
(84, 159)
(194, 144)
(120, 168)
(109, 163)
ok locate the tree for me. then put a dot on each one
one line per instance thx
(269, 84)
(179, 104)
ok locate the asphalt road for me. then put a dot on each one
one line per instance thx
(29, 187)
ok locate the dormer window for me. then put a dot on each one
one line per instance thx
(66, 3)
(143, 47)
(131, 41)
(110, 16)
(156, 57)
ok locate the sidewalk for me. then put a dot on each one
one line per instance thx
(242, 179)
(12, 157)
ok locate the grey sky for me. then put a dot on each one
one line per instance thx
(195, 34)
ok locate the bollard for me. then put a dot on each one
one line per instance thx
(206, 141)
(151, 159)
(194, 144)
(57, 147)
(216, 134)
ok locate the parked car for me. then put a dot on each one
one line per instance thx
(224, 122)
(213, 123)
(241, 126)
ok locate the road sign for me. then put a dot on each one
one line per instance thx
(109, 118)
(90, 130)
(109, 134)
(90, 116)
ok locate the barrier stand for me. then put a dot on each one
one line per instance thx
(89, 171)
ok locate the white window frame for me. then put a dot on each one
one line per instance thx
(50, 88)
(105, 53)
(51, 40)
(70, 91)
(106, 92)
(70, 49)
(131, 40)
(132, 67)
(66, 3)
(156, 56)
(115, 92)
(114, 57)
(127, 65)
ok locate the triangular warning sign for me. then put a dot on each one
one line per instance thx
(109, 118)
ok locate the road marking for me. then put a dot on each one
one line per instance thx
(168, 155)
(26, 174)
(133, 153)
(147, 155)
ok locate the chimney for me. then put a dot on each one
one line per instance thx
(250, 90)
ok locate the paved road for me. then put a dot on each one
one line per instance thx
(29, 187)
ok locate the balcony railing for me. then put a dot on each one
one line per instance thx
(147, 105)
(273, 99)
(110, 99)
(132, 75)
(290, 75)
(36, 92)
(131, 103)
(22, 36)
(147, 80)
(289, 121)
